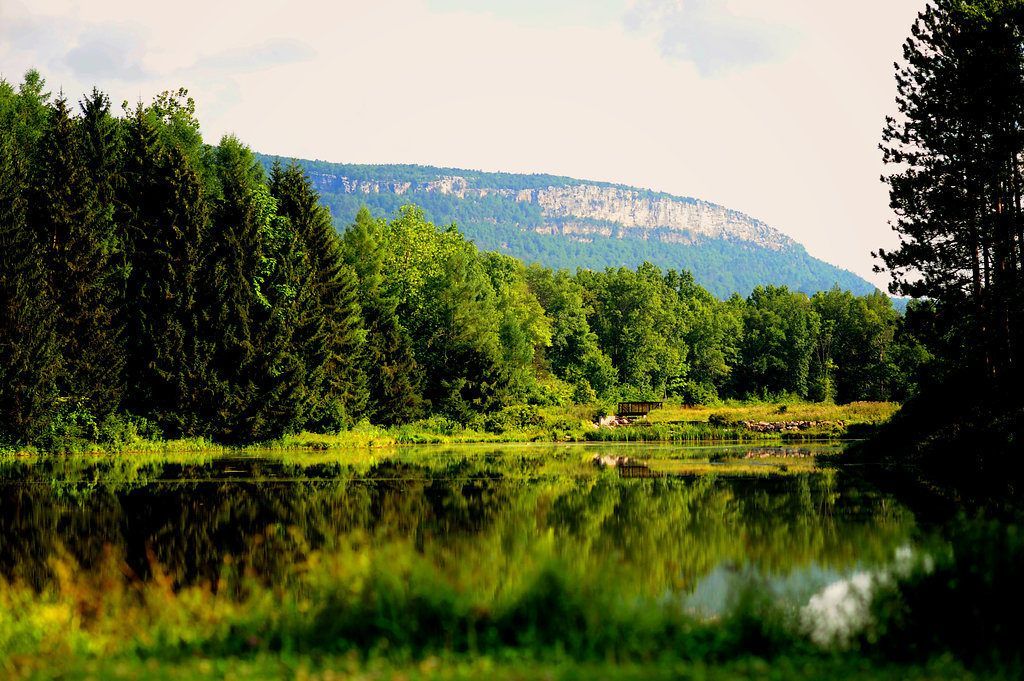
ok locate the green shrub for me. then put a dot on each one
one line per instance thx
(551, 392)
(719, 420)
(692, 393)
(518, 417)
(437, 424)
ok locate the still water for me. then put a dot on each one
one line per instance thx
(483, 517)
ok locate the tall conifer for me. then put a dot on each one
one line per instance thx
(386, 356)
(77, 252)
(258, 377)
(956, 150)
(30, 357)
(329, 333)
(163, 223)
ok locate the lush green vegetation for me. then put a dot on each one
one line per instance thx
(955, 151)
(170, 297)
(155, 286)
(496, 222)
(425, 558)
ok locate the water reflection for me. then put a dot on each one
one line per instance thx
(483, 517)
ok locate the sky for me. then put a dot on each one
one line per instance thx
(771, 107)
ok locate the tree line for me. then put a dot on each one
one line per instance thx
(148, 276)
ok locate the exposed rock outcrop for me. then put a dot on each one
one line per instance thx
(594, 209)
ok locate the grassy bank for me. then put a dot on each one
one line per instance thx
(675, 423)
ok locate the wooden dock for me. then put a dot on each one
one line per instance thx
(635, 409)
(635, 469)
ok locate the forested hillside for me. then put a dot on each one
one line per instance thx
(562, 222)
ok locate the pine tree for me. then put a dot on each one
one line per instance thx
(99, 131)
(393, 378)
(162, 218)
(329, 333)
(30, 357)
(257, 376)
(24, 113)
(77, 252)
(956, 149)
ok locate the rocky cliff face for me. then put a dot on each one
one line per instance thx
(585, 210)
(562, 222)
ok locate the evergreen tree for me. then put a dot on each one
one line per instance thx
(99, 131)
(956, 148)
(257, 375)
(30, 357)
(329, 333)
(77, 252)
(163, 224)
(24, 112)
(393, 377)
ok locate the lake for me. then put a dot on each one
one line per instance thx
(484, 518)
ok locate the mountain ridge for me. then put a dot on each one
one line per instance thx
(566, 222)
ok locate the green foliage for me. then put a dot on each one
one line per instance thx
(163, 224)
(634, 315)
(386, 358)
(574, 353)
(66, 211)
(73, 429)
(693, 393)
(256, 271)
(329, 326)
(779, 328)
(474, 325)
(518, 417)
(878, 359)
(497, 221)
(149, 274)
(30, 352)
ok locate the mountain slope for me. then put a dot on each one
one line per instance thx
(569, 223)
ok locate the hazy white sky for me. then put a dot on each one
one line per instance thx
(772, 107)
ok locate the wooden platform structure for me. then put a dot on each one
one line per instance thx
(634, 469)
(633, 409)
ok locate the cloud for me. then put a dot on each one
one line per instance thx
(22, 33)
(709, 34)
(108, 52)
(252, 59)
(540, 12)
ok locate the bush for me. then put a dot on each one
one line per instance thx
(75, 429)
(583, 393)
(120, 431)
(693, 394)
(720, 420)
(519, 417)
(551, 392)
(437, 424)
